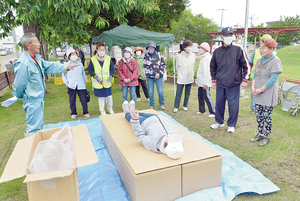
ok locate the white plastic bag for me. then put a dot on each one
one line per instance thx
(54, 154)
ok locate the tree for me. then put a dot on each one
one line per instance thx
(193, 27)
(288, 37)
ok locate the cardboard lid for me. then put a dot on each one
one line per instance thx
(84, 149)
(17, 164)
(47, 175)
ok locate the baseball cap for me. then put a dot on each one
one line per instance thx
(226, 30)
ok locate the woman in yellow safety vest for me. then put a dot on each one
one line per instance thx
(101, 69)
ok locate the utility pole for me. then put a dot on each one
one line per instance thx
(222, 9)
(246, 25)
(15, 41)
(252, 18)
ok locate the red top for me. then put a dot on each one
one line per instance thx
(124, 72)
(34, 58)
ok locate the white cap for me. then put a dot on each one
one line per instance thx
(69, 51)
(174, 148)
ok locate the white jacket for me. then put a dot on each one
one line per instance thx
(185, 64)
(203, 73)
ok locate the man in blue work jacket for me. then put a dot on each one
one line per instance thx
(29, 84)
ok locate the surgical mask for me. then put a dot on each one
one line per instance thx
(151, 50)
(74, 58)
(188, 49)
(127, 55)
(227, 40)
(101, 53)
(138, 53)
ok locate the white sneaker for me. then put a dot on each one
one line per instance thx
(199, 113)
(73, 116)
(211, 116)
(148, 100)
(217, 125)
(103, 113)
(175, 110)
(230, 129)
(132, 104)
(125, 107)
(111, 111)
(185, 109)
(138, 99)
(87, 115)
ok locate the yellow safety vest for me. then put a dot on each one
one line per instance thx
(102, 72)
(256, 57)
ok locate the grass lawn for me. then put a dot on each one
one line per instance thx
(279, 161)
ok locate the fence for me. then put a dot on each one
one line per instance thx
(7, 79)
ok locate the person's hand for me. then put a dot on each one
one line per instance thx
(214, 86)
(134, 115)
(255, 92)
(156, 75)
(205, 86)
(101, 82)
(144, 76)
(244, 85)
(71, 67)
(67, 84)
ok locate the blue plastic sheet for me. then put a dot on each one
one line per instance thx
(101, 181)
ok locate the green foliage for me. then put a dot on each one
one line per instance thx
(7, 19)
(193, 27)
(288, 37)
(250, 38)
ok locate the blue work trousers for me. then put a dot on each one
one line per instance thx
(232, 95)
(34, 110)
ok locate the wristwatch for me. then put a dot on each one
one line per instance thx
(260, 90)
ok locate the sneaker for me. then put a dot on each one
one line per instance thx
(252, 112)
(200, 113)
(211, 116)
(111, 111)
(152, 108)
(125, 107)
(257, 138)
(138, 99)
(185, 109)
(175, 110)
(148, 100)
(103, 113)
(230, 129)
(132, 104)
(87, 115)
(264, 141)
(162, 107)
(73, 116)
(217, 125)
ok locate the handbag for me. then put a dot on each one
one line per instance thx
(88, 97)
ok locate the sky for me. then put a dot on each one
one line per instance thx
(261, 10)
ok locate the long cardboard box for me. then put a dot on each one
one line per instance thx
(58, 185)
(151, 176)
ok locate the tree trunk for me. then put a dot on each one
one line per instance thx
(54, 51)
(91, 53)
(33, 27)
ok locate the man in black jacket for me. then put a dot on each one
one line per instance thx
(81, 55)
(229, 69)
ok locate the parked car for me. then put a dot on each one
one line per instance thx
(3, 52)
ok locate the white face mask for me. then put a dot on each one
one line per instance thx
(227, 40)
(74, 58)
(127, 55)
(151, 50)
(138, 53)
(188, 49)
(101, 53)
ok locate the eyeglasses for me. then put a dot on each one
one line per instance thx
(264, 48)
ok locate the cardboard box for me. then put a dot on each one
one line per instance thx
(147, 175)
(58, 185)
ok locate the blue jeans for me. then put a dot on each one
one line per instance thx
(142, 116)
(159, 86)
(252, 105)
(179, 93)
(125, 92)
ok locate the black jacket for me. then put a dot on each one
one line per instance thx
(229, 66)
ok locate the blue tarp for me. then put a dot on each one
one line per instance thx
(101, 181)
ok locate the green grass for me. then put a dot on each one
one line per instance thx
(279, 161)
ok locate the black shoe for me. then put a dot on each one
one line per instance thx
(257, 138)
